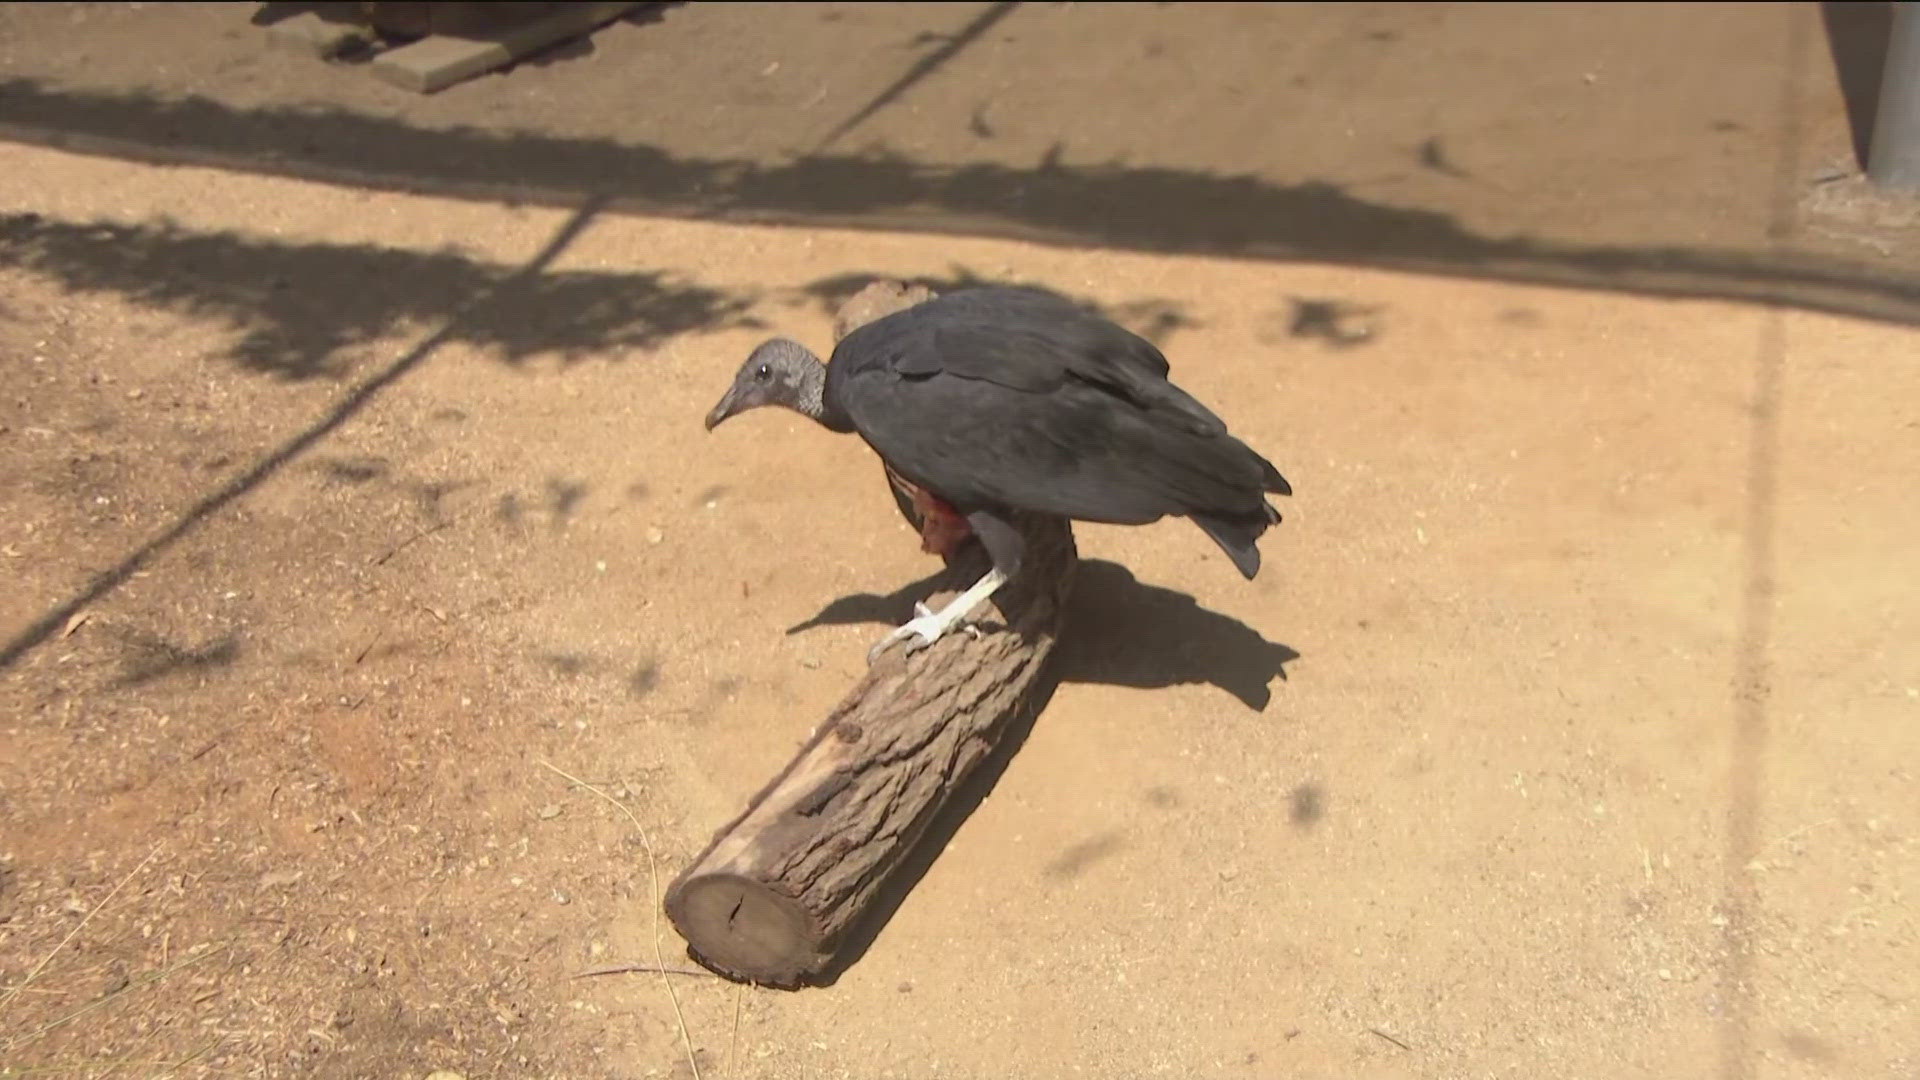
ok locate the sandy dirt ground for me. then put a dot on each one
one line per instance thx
(1570, 730)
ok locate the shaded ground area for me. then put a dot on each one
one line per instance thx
(1568, 732)
(1584, 157)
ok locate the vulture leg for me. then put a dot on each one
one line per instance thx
(1004, 545)
(925, 629)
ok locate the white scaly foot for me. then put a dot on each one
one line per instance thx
(927, 627)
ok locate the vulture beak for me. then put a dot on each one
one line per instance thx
(729, 404)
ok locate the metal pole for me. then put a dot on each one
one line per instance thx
(1893, 157)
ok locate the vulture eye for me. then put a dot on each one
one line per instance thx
(763, 372)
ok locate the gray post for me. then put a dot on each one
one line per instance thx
(1893, 157)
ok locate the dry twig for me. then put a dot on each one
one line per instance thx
(653, 902)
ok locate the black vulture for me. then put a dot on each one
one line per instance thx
(995, 399)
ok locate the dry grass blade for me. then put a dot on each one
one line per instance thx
(185, 1061)
(1389, 1038)
(644, 969)
(14, 991)
(161, 1068)
(653, 892)
(108, 999)
(733, 1044)
(129, 1058)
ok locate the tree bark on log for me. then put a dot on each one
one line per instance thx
(774, 896)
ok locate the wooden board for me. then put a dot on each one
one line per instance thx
(437, 62)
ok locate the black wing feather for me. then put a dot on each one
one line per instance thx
(1029, 341)
(1009, 398)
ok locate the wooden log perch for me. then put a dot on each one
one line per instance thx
(772, 899)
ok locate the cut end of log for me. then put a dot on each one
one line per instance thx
(745, 930)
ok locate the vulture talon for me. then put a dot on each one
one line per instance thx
(918, 633)
(927, 627)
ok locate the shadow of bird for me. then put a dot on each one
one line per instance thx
(1120, 632)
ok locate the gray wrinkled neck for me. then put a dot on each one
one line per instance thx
(812, 400)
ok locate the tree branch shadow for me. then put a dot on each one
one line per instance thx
(947, 46)
(299, 306)
(1149, 208)
(146, 657)
(474, 310)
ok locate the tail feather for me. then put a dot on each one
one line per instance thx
(1236, 538)
(1271, 479)
(1237, 532)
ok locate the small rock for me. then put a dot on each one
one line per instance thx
(548, 812)
(654, 535)
(275, 879)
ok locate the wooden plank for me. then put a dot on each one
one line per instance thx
(438, 62)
